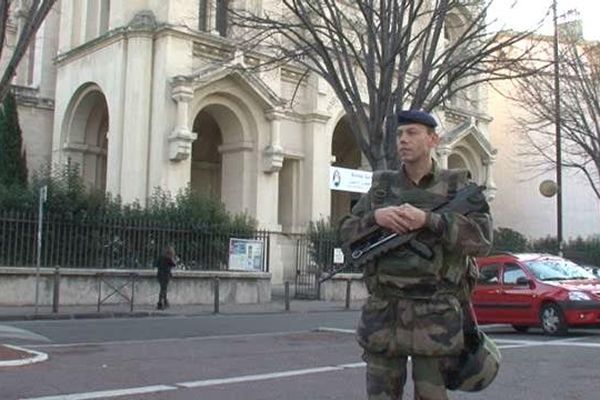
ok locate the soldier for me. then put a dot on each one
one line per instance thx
(416, 306)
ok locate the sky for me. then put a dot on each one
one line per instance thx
(526, 14)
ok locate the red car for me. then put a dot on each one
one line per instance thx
(527, 290)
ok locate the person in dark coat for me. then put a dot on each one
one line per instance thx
(164, 263)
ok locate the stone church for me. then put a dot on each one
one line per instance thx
(153, 93)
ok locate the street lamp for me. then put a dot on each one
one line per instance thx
(559, 227)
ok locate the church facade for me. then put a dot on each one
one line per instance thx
(153, 93)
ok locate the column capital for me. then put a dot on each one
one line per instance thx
(181, 89)
(274, 114)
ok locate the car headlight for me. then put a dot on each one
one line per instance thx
(578, 296)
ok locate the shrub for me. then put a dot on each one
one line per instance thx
(506, 239)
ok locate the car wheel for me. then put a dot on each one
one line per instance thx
(521, 328)
(552, 320)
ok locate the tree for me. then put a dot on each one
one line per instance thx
(579, 65)
(382, 56)
(13, 162)
(33, 13)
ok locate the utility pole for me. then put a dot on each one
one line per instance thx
(557, 123)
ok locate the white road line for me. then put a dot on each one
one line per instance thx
(35, 357)
(334, 330)
(195, 384)
(107, 393)
(259, 377)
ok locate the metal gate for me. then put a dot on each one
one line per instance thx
(307, 271)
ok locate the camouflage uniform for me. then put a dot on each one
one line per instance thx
(416, 306)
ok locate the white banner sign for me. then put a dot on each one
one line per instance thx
(338, 256)
(349, 180)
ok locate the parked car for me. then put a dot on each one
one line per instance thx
(527, 290)
(593, 269)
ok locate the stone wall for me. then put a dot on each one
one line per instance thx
(81, 286)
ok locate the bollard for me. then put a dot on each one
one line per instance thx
(216, 292)
(348, 292)
(56, 292)
(133, 276)
(287, 296)
(99, 291)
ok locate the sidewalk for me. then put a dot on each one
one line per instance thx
(15, 356)
(277, 305)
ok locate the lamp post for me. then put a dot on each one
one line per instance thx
(559, 227)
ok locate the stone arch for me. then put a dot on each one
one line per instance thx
(224, 153)
(84, 135)
(464, 158)
(345, 154)
(206, 168)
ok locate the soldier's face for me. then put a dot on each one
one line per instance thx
(414, 142)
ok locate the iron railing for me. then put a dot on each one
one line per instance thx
(315, 260)
(117, 242)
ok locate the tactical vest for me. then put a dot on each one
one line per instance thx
(402, 272)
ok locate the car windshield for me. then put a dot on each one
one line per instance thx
(557, 270)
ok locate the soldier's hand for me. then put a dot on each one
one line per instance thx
(413, 217)
(393, 219)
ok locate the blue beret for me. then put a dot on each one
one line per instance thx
(416, 117)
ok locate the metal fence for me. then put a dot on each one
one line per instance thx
(109, 242)
(315, 261)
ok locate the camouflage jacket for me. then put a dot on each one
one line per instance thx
(453, 237)
(417, 305)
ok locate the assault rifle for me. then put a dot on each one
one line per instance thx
(378, 241)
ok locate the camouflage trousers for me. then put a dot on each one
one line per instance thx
(386, 377)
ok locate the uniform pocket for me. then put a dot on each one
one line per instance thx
(438, 327)
(375, 328)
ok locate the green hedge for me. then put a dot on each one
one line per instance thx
(93, 229)
(583, 251)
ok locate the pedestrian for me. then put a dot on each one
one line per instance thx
(164, 263)
(416, 304)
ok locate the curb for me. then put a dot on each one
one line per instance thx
(145, 314)
(36, 357)
(87, 315)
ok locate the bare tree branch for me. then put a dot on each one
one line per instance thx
(34, 15)
(579, 63)
(380, 56)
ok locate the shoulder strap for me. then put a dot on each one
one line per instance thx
(380, 185)
(456, 178)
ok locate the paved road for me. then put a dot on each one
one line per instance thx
(260, 357)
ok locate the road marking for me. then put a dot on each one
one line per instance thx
(509, 343)
(195, 384)
(503, 344)
(267, 376)
(334, 330)
(35, 357)
(107, 393)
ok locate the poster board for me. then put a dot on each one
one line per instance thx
(245, 255)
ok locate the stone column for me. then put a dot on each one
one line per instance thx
(181, 138)
(135, 131)
(489, 179)
(443, 153)
(316, 197)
